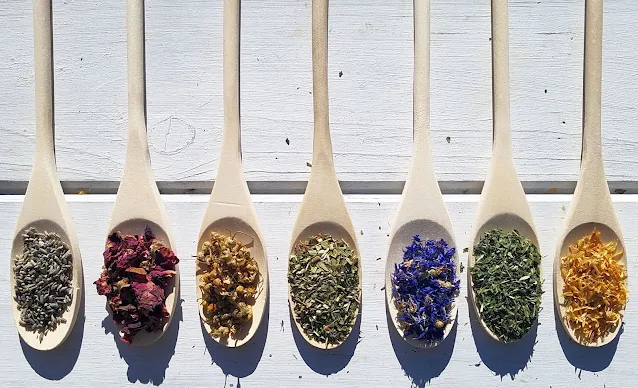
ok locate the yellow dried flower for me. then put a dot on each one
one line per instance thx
(594, 289)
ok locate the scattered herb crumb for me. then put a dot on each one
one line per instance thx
(362, 232)
(308, 164)
(477, 364)
(287, 141)
(340, 74)
(448, 139)
(378, 258)
(545, 90)
(466, 250)
(462, 267)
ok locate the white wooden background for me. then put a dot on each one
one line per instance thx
(370, 88)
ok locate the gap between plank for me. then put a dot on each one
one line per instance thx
(298, 187)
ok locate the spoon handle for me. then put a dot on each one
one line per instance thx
(502, 142)
(591, 156)
(322, 161)
(137, 153)
(230, 185)
(421, 82)
(43, 51)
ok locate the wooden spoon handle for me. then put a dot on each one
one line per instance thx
(592, 151)
(231, 145)
(230, 185)
(502, 142)
(43, 52)
(322, 161)
(421, 82)
(137, 147)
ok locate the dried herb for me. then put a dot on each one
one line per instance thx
(507, 283)
(42, 276)
(424, 286)
(594, 287)
(324, 286)
(228, 284)
(135, 273)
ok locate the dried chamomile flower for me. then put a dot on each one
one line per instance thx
(228, 283)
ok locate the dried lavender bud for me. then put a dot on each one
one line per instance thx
(42, 275)
(424, 286)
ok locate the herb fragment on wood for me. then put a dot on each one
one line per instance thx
(595, 288)
(229, 281)
(135, 277)
(43, 274)
(424, 287)
(324, 285)
(507, 283)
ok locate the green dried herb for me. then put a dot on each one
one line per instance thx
(507, 283)
(324, 286)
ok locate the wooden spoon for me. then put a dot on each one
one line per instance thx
(422, 210)
(138, 203)
(230, 208)
(323, 209)
(591, 206)
(502, 203)
(44, 207)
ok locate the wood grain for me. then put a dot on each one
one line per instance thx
(370, 102)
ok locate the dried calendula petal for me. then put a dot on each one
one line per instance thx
(228, 284)
(594, 287)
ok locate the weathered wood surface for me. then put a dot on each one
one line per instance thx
(370, 71)
(278, 357)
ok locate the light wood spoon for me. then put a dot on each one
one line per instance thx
(230, 208)
(138, 203)
(323, 209)
(591, 206)
(44, 207)
(421, 210)
(502, 204)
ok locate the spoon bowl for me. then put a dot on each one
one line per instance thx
(507, 222)
(607, 234)
(137, 226)
(427, 230)
(54, 338)
(338, 232)
(246, 234)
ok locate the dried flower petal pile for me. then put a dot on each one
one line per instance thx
(424, 286)
(42, 276)
(507, 283)
(228, 284)
(594, 287)
(324, 286)
(135, 273)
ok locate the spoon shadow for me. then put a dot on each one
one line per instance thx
(585, 358)
(413, 359)
(502, 358)
(58, 363)
(241, 361)
(148, 364)
(327, 361)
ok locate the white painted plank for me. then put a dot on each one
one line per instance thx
(370, 103)
(276, 359)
